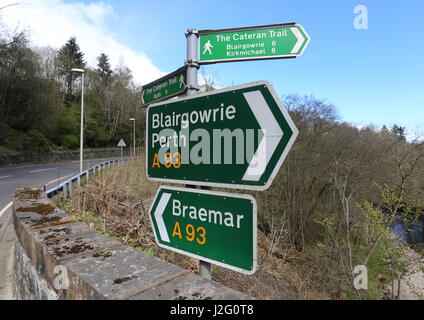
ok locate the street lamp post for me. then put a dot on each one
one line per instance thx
(133, 119)
(82, 115)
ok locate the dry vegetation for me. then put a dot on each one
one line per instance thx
(329, 209)
(116, 203)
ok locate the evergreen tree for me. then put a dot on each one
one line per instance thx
(399, 132)
(104, 69)
(70, 56)
(384, 131)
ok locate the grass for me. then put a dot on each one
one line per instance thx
(8, 152)
(116, 201)
(378, 276)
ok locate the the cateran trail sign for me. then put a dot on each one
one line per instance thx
(277, 41)
(166, 87)
(215, 227)
(236, 137)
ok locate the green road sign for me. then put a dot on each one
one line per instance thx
(236, 137)
(166, 87)
(215, 227)
(251, 43)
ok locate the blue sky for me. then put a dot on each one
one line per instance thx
(373, 76)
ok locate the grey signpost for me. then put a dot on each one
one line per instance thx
(192, 36)
(122, 144)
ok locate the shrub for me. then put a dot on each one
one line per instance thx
(69, 141)
(38, 142)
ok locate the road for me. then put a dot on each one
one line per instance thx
(12, 178)
(45, 174)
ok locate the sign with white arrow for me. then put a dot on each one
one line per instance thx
(216, 227)
(236, 137)
(277, 41)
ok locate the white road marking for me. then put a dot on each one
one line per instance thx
(42, 170)
(56, 180)
(3, 177)
(5, 208)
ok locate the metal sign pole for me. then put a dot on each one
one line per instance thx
(134, 139)
(192, 36)
(122, 144)
(82, 124)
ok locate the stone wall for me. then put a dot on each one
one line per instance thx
(60, 258)
(56, 156)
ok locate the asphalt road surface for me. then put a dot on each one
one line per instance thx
(12, 178)
(49, 174)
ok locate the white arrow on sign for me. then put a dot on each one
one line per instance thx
(142, 96)
(300, 40)
(163, 202)
(122, 143)
(272, 135)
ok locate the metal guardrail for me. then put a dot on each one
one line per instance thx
(66, 186)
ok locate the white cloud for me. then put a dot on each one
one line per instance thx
(53, 22)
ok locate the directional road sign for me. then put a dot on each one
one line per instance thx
(122, 143)
(215, 227)
(164, 88)
(276, 41)
(236, 137)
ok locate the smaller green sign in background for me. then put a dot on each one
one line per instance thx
(166, 87)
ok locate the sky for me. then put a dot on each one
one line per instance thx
(372, 76)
